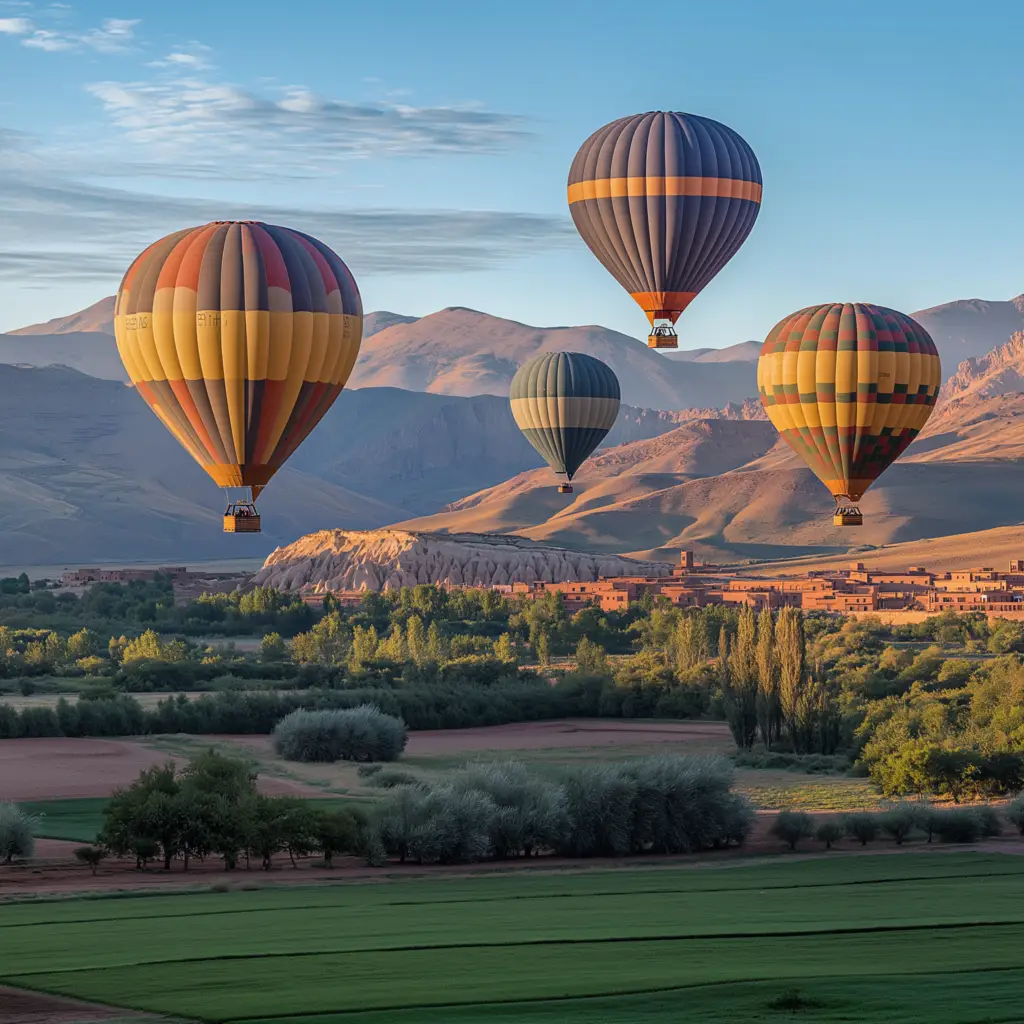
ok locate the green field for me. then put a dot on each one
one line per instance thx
(935, 938)
(78, 820)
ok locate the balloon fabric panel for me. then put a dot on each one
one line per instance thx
(565, 403)
(848, 386)
(664, 200)
(239, 335)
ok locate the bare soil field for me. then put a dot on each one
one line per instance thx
(20, 1007)
(64, 769)
(570, 733)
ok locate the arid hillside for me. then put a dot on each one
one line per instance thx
(970, 328)
(464, 352)
(993, 548)
(88, 472)
(734, 492)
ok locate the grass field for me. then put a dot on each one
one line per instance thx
(897, 938)
(77, 820)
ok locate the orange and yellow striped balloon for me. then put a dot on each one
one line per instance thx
(239, 336)
(849, 386)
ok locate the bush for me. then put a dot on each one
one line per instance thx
(530, 813)
(792, 826)
(17, 833)
(862, 827)
(362, 733)
(957, 826)
(830, 832)
(91, 855)
(899, 822)
(1015, 814)
(811, 764)
(655, 805)
(990, 824)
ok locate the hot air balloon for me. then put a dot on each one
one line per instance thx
(664, 200)
(849, 386)
(565, 403)
(239, 336)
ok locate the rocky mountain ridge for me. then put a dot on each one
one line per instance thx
(333, 560)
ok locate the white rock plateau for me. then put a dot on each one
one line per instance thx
(332, 560)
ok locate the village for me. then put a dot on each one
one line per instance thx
(895, 595)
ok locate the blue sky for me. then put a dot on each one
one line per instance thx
(429, 144)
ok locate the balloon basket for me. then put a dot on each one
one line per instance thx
(565, 488)
(848, 515)
(663, 337)
(241, 517)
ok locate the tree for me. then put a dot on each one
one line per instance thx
(769, 707)
(792, 826)
(862, 827)
(829, 832)
(437, 647)
(327, 643)
(364, 646)
(334, 832)
(591, 660)
(91, 855)
(741, 682)
(83, 644)
(17, 833)
(689, 643)
(504, 649)
(899, 823)
(790, 645)
(543, 648)
(416, 639)
(273, 648)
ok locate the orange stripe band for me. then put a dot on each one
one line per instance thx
(663, 305)
(613, 188)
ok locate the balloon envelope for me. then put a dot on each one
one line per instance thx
(239, 336)
(849, 386)
(565, 403)
(664, 200)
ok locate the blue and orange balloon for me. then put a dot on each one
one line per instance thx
(664, 201)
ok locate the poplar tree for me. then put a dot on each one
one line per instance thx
(789, 636)
(740, 690)
(416, 639)
(769, 709)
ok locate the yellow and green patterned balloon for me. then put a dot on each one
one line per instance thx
(848, 386)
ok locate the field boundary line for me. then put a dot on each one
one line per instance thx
(941, 926)
(618, 994)
(124, 895)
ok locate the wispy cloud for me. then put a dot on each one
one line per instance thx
(114, 35)
(57, 229)
(206, 128)
(59, 225)
(194, 57)
(15, 26)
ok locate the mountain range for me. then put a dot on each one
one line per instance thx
(423, 439)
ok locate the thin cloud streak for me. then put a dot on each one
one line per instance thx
(200, 128)
(64, 231)
(113, 36)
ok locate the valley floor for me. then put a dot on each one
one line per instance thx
(903, 939)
